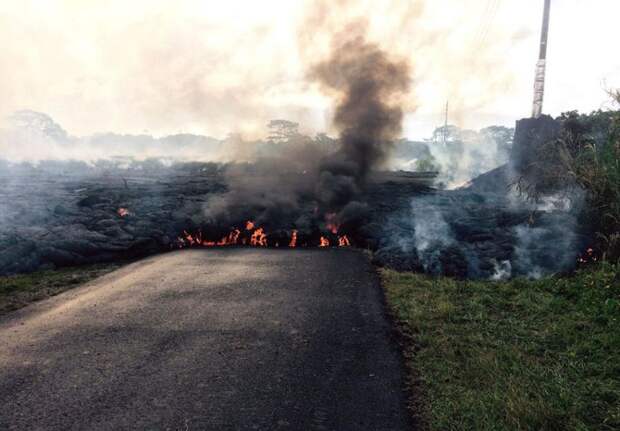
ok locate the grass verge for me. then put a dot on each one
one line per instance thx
(513, 355)
(17, 291)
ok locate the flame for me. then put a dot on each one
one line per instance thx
(234, 236)
(123, 212)
(231, 239)
(255, 237)
(187, 237)
(293, 242)
(588, 256)
(258, 238)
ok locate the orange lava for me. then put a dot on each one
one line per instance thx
(293, 242)
(255, 237)
(343, 241)
(258, 238)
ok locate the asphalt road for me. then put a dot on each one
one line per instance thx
(208, 340)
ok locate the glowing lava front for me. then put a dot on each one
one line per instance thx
(255, 236)
(293, 242)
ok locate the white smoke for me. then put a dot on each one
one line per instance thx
(501, 270)
(430, 232)
(553, 243)
(457, 155)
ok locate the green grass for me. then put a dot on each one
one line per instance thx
(514, 355)
(17, 291)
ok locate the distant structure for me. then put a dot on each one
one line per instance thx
(539, 78)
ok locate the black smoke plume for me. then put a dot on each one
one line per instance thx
(368, 86)
(305, 185)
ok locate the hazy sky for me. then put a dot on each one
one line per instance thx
(215, 67)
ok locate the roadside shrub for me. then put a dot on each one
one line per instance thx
(585, 156)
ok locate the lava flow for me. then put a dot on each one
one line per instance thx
(293, 242)
(255, 236)
(258, 238)
(343, 241)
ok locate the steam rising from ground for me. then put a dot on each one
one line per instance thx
(494, 235)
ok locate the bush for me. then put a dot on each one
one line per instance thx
(586, 156)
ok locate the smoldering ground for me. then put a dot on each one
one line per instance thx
(492, 234)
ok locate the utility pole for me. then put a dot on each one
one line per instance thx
(539, 78)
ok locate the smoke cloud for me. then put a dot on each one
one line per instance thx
(368, 86)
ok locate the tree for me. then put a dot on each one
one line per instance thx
(585, 155)
(281, 131)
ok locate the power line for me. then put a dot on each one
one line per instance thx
(483, 22)
(493, 14)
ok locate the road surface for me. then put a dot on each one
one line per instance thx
(208, 340)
